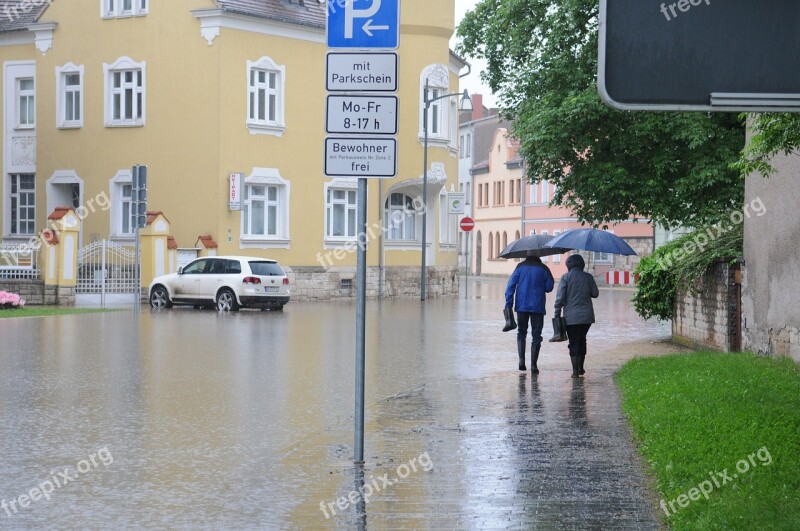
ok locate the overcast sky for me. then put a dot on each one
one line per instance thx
(472, 82)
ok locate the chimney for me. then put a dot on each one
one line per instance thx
(477, 106)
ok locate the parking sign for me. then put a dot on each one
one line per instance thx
(366, 24)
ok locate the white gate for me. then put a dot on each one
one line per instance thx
(106, 267)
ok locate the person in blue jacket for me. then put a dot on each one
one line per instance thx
(528, 286)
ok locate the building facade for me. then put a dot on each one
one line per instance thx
(201, 89)
(506, 206)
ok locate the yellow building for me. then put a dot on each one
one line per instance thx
(201, 89)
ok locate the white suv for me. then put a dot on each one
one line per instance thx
(227, 282)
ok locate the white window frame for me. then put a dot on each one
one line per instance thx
(556, 257)
(545, 258)
(350, 188)
(277, 126)
(121, 66)
(62, 89)
(545, 192)
(603, 258)
(116, 186)
(438, 81)
(15, 195)
(394, 224)
(30, 100)
(266, 177)
(119, 8)
(468, 146)
(447, 222)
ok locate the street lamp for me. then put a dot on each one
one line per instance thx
(465, 104)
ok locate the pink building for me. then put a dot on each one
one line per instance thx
(505, 207)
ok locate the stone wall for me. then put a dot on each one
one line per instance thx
(36, 293)
(30, 290)
(710, 318)
(320, 284)
(772, 252)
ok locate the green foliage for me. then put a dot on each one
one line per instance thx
(772, 134)
(607, 165)
(46, 311)
(681, 264)
(703, 413)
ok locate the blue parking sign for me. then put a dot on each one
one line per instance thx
(365, 24)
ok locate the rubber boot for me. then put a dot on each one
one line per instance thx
(580, 365)
(521, 352)
(576, 366)
(535, 358)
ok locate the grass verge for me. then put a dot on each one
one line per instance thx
(721, 433)
(46, 311)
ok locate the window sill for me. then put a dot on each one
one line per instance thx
(264, 129)
(250, 242)
(403, 245)
(122, 238)
(124, 125)
(70, 126)
(329, 243)
(25, 127)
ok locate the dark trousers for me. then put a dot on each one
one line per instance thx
(577, 339)
(537, 323)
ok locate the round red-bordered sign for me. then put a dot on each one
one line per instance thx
(467, 224)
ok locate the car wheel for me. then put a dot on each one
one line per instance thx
(279, 308)
(226, 301)
(159, 298)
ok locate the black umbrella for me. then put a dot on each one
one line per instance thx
(536, 242)
(599, 241)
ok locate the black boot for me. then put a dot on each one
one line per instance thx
(580, 365)
(521, 352)
(575, 366)
(535, 358)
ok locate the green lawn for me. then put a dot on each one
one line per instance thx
(46, 311)
(721, 426)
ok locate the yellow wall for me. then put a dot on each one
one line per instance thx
(195, 132)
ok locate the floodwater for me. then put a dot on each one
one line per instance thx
(196, 419)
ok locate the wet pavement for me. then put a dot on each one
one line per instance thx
(196, 419)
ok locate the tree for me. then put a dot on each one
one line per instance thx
(772, 134)
(607, 165)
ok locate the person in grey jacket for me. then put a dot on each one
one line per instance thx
(575, 293)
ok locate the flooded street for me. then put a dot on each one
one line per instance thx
(197, 419)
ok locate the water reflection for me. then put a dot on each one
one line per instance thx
(239, 420)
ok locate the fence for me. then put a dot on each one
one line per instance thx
(18, 263)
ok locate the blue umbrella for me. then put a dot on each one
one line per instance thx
(535, 243)
(596, 240)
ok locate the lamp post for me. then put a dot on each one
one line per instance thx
(464, 105)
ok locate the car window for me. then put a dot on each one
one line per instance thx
(216, 267)
(233, 267)
(196, 268)
(266, 269)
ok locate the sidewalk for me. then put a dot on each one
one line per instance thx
(509, 451)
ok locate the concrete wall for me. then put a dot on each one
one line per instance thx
(771, 309)
(319, 284)
(35, 293)
(709, 318)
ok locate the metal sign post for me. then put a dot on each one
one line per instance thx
(373, 154)
(361, 302)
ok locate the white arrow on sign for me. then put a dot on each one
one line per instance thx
(368, 27)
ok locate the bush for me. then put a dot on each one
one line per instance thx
(10, 300)
(681, 264)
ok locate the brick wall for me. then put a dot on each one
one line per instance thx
(36, 293)
(319, 284)
(709, 317)
(30, 290)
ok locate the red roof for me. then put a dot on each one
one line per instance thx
(171, 243)
(207, 241)
(60, 212)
